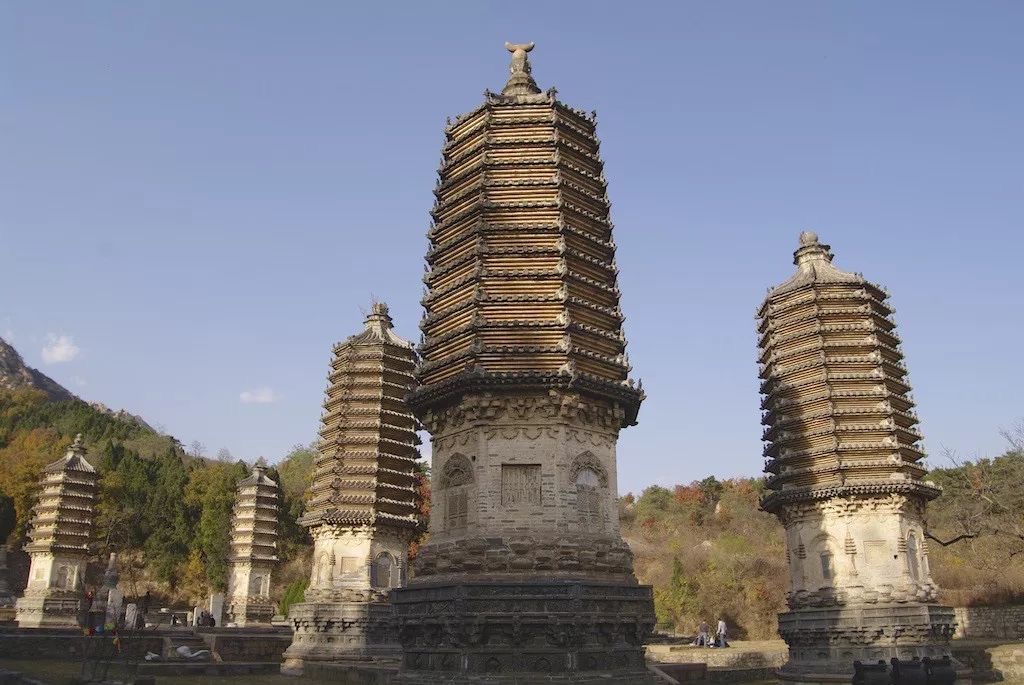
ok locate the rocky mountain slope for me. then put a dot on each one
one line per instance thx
(14, 373)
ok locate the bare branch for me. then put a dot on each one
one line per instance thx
(947, 543)
(1014, 436)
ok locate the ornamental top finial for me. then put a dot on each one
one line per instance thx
(811, 250)
(520, 82)
(808, 238)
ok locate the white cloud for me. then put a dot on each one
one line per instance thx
(79, 381)
(8, 335)
(262, 395)
(59, 348)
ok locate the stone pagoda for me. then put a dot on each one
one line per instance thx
(253, 553)
(59, 536)
(842, 458)
(523, 386)
(362, 512)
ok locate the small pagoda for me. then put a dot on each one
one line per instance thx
(253, 556)
(844, 474)
(59, 535)
(363, 503)
(524, 386)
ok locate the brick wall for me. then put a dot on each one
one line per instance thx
(990, 622)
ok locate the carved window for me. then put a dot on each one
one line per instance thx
(520, 484)
(350, 565)
(913, 565)
(456, 508)
(827, 569)
(67, 578)
(382, 571)
(458, 470)
(588, 497)
(259, 585)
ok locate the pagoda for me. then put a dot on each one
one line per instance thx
(253, 549)
(523, 386)
(844, 474)
(59, 535)
(363, 503)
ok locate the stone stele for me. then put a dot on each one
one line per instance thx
(842, 458)
(59, 535)
(363, 507)
(253, 555)
(523, 386)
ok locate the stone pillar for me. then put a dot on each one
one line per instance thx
(59, 536)
(254, 532)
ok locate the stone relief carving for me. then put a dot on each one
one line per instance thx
(598, 556)
(457, 470)
(520, 484)
(553, 407)
(587, 460)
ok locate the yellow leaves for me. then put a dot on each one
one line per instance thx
(21, 462)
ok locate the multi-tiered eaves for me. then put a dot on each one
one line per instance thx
(844, 474)
(364, 472)
(59, 536)
(63, 516)
(363, 506)
(524, 388)
(253, 556)
(837, 407)
(521, 287)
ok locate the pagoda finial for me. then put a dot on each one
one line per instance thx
(520, 82)
(77, 448)
(379, 317)
(811, 250)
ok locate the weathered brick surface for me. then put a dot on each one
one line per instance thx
(990, 622)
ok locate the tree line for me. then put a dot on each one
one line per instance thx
(706, 546)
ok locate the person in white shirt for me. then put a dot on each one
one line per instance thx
(720, 634)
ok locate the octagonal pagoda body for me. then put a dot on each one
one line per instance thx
(523, 385)
(59, 535)
(363, 503)
(253, 549)
(842, 458)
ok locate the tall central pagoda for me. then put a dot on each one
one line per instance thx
(523, 385)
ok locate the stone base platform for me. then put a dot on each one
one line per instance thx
(510, 632)
(247, 612)
(326, 632)
(825, 641)
(48, 611)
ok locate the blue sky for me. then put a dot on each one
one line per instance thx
(197, 199)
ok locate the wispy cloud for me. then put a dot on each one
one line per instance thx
(79, 381)
(262, 395)
(59, 349)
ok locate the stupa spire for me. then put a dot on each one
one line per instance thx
(520, 81)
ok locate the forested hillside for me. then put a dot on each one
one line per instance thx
(709, 551)
(706, 547)
(166, 514)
